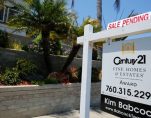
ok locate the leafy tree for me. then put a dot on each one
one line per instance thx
(41, 16)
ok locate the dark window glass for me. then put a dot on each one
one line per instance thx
(1, 13)
(12, 12)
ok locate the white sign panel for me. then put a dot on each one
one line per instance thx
(129, 21)
(126, 78)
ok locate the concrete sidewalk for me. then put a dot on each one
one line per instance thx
(75, 114)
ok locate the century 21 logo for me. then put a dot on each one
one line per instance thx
(141, 59)
(129, 47)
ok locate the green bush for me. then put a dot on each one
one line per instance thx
(14, 44)
(10, 77)
(26, 67)
(37, 82)
(37, 39)
(23, 71)
(33, 47)
(52, 79)
(56, 47)
(57, 77)
(25, 48)
(3, 39)
(35, 79)
(28, 70)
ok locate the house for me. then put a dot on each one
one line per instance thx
(6, 11)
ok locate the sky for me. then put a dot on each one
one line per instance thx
(85, 8)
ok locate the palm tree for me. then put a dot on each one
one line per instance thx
(99, 8)
(42, 16)
(76, 47)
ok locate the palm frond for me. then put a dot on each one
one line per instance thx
(35, 14)
(132, 13)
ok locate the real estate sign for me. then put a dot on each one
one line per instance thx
(126, 78)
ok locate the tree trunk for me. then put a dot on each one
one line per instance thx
(71, 56)
(99, 10)
(46, 48)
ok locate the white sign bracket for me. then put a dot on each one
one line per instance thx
(109, 41)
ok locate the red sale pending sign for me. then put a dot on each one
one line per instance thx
(130, 20)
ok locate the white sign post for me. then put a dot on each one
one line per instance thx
(88, 39)
(86, 78)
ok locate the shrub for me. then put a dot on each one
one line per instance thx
(56, 77)
(35, 79)
(10, 77)
(25, 47)
(33, 47)
(37, 82)
(26, 67)
(73, 74)
(24, 72)
(13, 44)
(52, 78)
(28, 70)
(37, 39)
(3, 39)
(56, 47)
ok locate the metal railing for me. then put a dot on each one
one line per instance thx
(2, 13)
(6, 13)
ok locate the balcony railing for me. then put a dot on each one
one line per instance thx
(6, 13)
(2, 13)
